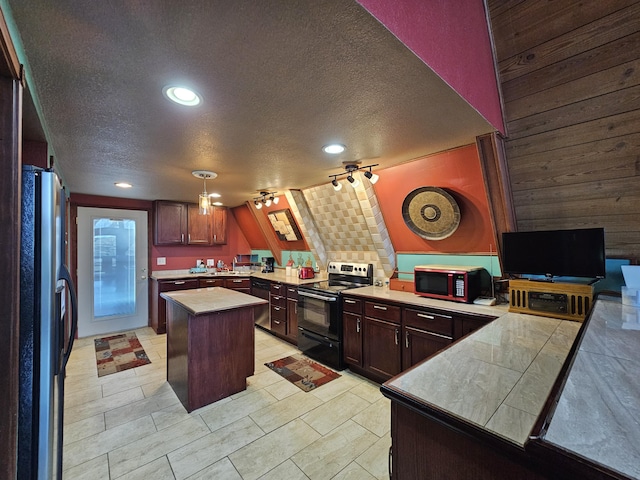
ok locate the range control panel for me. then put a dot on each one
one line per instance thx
(351, 269)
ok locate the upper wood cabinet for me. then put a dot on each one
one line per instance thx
(178, 223)
(219, 226)
(198, 226)
(170, 223)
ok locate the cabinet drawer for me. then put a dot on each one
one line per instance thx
(292, 292)
(279, 319)
(353, 305)
(429, 321)
(211, 282)
(171, 285)
(237, 283)
(382, 311)
(279, 300)
(278, 289)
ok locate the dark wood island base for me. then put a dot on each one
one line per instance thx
(210, 354)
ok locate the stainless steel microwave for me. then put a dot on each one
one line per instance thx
(448, 282)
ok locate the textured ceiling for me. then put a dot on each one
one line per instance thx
(279, 79)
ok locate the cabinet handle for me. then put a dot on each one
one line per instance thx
(179, 283)
(189, 236)
(292, 290)
(296, 308)
(358, 325)
(379, 307)
(276, 322)
(276, 308)
(237, 281)
(406, 339)
(182, 237)
(431, 317)
(276, 297)
(391, 461)
(277, 287)
(214, 237)
(346, 300)
(397, 336)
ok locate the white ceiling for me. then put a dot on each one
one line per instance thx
(279, 79)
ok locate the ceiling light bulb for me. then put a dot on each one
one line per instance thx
(182, 95)
(258, 204)
(336, 186)
(267, 202)
(204, 204)
(353, 181)
(123, 185)
(334, 148)
(215, 195)
(275, 199)
(373, 178)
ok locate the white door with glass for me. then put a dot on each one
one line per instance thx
(112, 270)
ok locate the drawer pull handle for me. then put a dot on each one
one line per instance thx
(276, 308)
(396, 336)
(179, 283)
(379, 307)
(358, 325)
(277, 287)
(406, 339)
(276, 322)
(428, 317)
(346, 300)
(237, 281)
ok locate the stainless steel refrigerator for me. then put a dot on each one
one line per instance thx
(47, 326)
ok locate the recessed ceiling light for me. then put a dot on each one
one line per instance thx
(182, 95)
(214, 195)
(123, 185)
(217, 204)
(334, 148)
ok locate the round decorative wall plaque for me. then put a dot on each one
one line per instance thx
(431, 213)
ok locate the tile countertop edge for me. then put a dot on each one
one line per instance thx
(202, 301)
(277, 276)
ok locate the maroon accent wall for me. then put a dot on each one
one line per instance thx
(452, 38)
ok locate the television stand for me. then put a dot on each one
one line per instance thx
(568, 301)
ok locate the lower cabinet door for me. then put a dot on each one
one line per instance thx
(352, 340)
(382, 349)
(420, 344)
(292, 319)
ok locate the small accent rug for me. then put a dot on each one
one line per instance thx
(118, 353)
(302, 372)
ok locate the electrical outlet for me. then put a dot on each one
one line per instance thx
(161, 261)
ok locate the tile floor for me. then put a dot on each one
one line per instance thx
(130, 425)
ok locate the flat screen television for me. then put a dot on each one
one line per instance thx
(555, 253)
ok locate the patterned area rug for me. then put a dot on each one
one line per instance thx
(302, 372)
(118, 353)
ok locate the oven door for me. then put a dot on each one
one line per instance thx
(318, 313)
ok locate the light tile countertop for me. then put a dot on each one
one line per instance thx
(498, 377)
(598, 412)
(279, 275)
(200, 301)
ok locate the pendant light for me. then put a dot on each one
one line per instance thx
(204, 202)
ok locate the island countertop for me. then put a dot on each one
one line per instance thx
(200, 301)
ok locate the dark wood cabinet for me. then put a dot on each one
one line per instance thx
(352, 331)
(382, 350)
(464, 325)
(240, 284)
(178, 223)
(424, 332)
(292, 313)
(278, 308)
(198, 226)
(218, 233)
(159, 304)
(170, 223)
(210, 282)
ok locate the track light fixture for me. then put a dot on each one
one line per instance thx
(350, 168)
(266, 199)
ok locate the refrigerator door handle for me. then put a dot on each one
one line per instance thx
(66, 276)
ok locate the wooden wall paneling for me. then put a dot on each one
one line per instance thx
(10, 186)
(267, 231)
(523, 25)
(596, 35)
(569, 76)
(497, 185)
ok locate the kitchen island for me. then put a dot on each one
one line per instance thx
(524, 397)
(210, 343)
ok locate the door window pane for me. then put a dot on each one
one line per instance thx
(114, 267)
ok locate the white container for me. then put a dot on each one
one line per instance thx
(288, 270)
(631, 296)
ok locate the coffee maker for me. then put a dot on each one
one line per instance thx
(267, 264)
